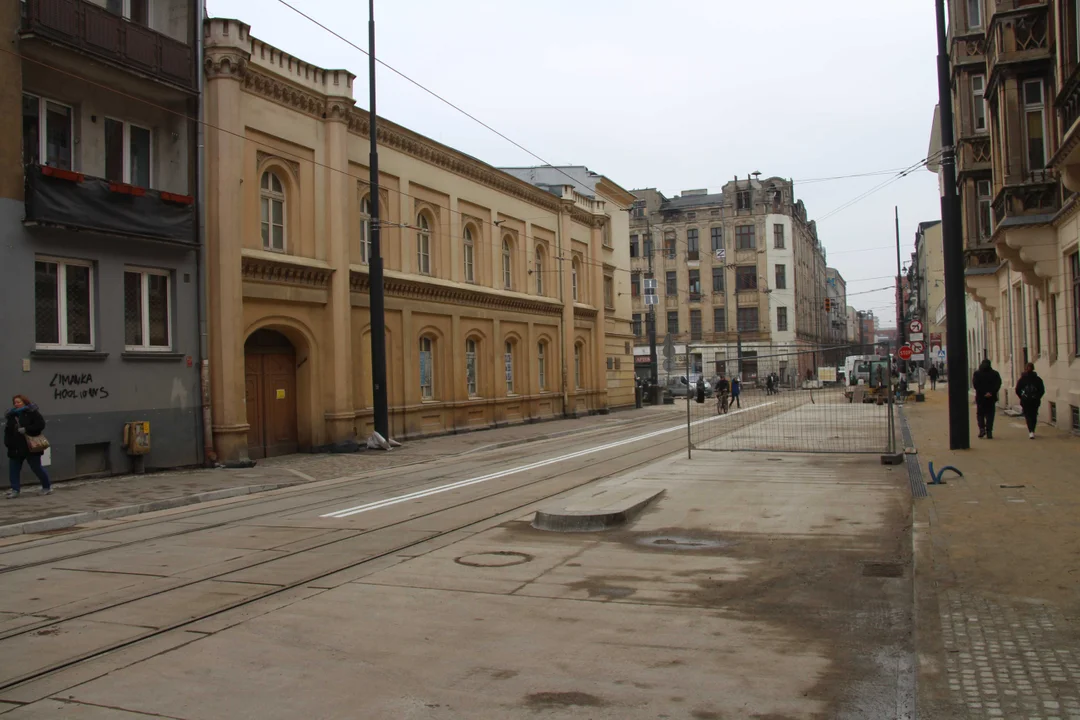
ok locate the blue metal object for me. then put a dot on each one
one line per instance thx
(935, 477)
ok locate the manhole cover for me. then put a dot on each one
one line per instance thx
(500, 558)
(674, 542)
(886, 570)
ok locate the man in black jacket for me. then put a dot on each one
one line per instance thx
(1030, 390)
(987, 382)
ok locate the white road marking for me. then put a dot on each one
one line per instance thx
(299, 474)
(523, 468)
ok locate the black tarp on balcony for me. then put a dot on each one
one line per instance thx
(60, 197)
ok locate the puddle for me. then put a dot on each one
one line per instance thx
(675, 542)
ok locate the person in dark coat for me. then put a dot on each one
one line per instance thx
(1030, 389)
(22, 420)
(933, 374)
(736, 390)
(987, 382)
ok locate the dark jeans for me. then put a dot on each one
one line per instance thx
(984, 412)
(736, 399)
(933, 383)
(1031, 414)
(34, 461)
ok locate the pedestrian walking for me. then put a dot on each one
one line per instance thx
(933, 377)
(722, 389)
(1030, 389)
(736, 390)
(987, 382)
(769, 385)
(24, 440)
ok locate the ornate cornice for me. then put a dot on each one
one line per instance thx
(585, 312)
(225, 64)
(283, 272)
(338, 109)
(284, 93)
(420, 290)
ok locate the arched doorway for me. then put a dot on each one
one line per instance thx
(270, 391)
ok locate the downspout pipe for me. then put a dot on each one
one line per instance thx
(202, 295)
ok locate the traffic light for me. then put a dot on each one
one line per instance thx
(828, 304)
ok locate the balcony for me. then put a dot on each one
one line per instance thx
(1067, 158)
(974, 155)
(89, 28)
(1024, 235)
(1018, 35)
(69, 199)
(695, 297)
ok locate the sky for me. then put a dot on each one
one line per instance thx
(676, 95)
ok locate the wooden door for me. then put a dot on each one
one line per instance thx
(253, 395)
(279, 404)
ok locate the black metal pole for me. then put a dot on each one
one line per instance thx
(375, 293)
(653, 370)
(901, 331)
(952, 242)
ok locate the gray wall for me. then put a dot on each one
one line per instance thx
(109, 391)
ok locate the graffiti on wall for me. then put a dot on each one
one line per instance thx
(76, 386)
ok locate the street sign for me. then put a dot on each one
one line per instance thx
(721, 254)
(941, 355)
(915, 336)
(904, 352)
(669, 346)
(669, 365)
(652, 299)
(915, 326)
(918, 348)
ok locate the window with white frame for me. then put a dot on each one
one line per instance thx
(427, 370)
(137, 11)
(508, 360)
(147, 310)
(577, 366)
(983, 191)
(1034, 124)
(541, 365)
(575, 267)
(469, 255)
(127, 153)
(508, 263)
(63, 304)
(538, 270)
(978, 102)
(423, 244)
(365, 229)
(974, 14)
(272, 208)
(47, 132)
(470, 367)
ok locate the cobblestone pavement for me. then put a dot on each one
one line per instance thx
(997, 579)
(121, 490)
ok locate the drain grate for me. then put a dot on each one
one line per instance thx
(883, 570)
(915, 477)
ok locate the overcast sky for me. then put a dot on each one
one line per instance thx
(676, 95)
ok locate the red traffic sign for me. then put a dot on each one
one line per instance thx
(905, 352)
(915, 326)
(918, 347)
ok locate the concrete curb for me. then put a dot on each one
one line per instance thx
(560, 518)
(65, 521)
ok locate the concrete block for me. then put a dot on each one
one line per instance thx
(594, 511)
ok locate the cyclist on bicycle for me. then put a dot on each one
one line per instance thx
(723, 389)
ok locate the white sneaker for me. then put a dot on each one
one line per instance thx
(1031, 435)
(45, 491)
(12, 494)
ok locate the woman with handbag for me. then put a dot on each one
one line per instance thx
(25, 441)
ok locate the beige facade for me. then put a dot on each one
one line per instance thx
(505, 301)
(929, 277)
(1016, 95)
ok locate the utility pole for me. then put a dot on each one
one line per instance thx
(952, 242)
(901, 331)
(375, 276)
(653, 370)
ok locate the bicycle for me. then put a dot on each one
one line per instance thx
(722, 404)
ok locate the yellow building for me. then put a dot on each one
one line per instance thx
(506, 300)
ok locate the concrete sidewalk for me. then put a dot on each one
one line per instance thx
(173, 488)
(997, 574)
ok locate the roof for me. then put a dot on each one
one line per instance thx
(586, 182)
(690, 201)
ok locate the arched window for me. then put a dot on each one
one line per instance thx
(508, 359)
(423, 244)
(469, 255)
(541, 364)
(272, 205)
(539, 270)
(470, 367)
(575, 269)
(365, 230)
(427, 369)
(507, 264)
(577, 366)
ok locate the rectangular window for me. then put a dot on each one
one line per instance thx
(1052, 331)
(692, 246)
(1074, 267)
(1053, 413)
(978, 102)
(609, 292)
(1034, 124)
(974, 14)
(718, 280)
(633, 246)
(127, 153)
(983, 190)
(427, 389)
(781, 277)
(147, 316)
(719, 319)
(748, 319)
(695, 324)
(470, 367)
(636, 323)
(541, 366)
(695, 285)
(672, 284)
(47, 132)
(63, 304)
(1036, 328)
(669, 244)
(778, 236)
(508, 362)
(717, 235)
(745, 278)
(673, 322)
(781, 319)
(137, 11)
(635, 284)
(742, 200)
(1075, 412)
(744, 237)
(646, 245)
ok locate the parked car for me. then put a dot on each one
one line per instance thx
(680, 386)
